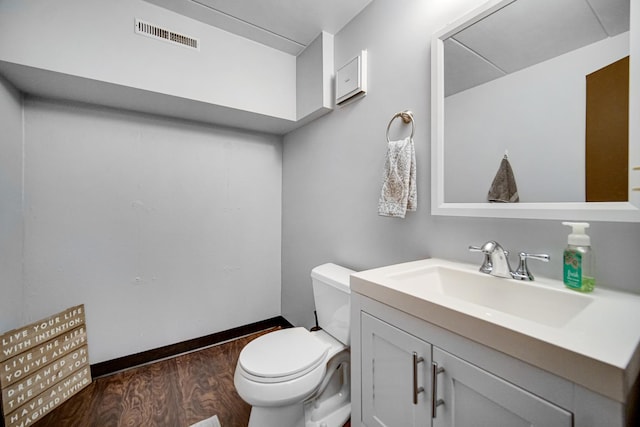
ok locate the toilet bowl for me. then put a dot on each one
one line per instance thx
(296, 378)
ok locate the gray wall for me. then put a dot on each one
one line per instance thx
(169, 230)
(332, 172)
(166, 230)
(11, 224)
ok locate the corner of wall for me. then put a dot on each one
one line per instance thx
(11, 209)
(314, 78)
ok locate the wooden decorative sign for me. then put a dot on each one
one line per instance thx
(42, 365)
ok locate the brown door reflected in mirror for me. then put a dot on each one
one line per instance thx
(607, 133)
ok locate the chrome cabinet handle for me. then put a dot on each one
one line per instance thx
(435, 402)
(416, 390)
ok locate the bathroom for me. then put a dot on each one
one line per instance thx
(169, 229)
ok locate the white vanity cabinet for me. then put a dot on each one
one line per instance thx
(395, 357)
(473, 397)
(395, 367)
(397, 389)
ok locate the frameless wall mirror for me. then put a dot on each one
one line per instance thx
(551, 83)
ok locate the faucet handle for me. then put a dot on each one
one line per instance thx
(486, 266)
(522, 272)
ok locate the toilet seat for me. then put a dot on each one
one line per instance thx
(282, 356)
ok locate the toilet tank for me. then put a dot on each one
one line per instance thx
(332, 293)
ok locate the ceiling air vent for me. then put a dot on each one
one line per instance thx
(159, 33)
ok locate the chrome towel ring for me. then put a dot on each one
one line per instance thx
(407, 117)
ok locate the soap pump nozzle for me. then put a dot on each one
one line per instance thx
(578, 237)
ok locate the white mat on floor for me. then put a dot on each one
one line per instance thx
(209, 422)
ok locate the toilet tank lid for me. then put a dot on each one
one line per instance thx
(334, 275)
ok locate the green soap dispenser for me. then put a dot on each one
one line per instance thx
(579, 262)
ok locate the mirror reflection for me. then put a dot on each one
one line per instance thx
(545, 82)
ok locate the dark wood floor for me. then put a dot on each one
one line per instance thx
(176, 392)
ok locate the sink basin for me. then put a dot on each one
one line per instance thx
(528, 300)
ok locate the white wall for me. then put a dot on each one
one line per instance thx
(95, 39)
(166, 230)
(538, 115)
(332, 173)
(11, 224)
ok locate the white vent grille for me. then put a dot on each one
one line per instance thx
(159, 33)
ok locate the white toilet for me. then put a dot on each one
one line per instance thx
(296, 378)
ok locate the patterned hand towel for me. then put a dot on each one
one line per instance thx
(503, 188)
(399, 193)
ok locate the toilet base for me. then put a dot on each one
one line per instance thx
(294, 416)
(332, 408)
(333, 411)
(277, 416)
(336, 419)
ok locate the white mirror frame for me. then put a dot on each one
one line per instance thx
(592, 211)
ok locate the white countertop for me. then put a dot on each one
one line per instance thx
(597, 348)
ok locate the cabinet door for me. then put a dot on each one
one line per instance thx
(395, 376)
(472, 397)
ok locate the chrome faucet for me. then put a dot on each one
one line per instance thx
(496, 261)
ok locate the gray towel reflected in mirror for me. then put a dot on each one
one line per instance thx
(503, 188)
